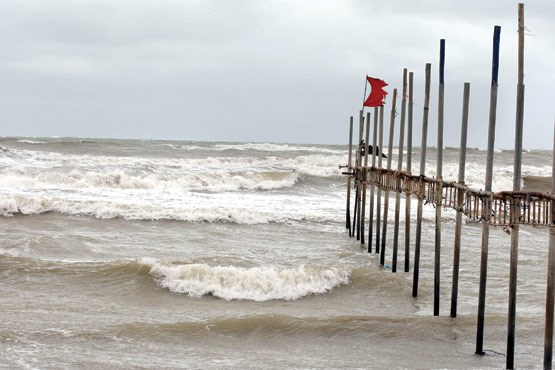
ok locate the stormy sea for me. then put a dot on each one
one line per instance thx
(120, 254)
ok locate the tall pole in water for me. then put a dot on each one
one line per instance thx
(439, 176)
(460, 200)
(550, 294)
(416, 271)
(349, 169)
(358, 165)
(389, 155)
(379, 196)
(399, 169)
(488, 188)
(409, 165)
(517, 177)
(364, 178)
(372, 186)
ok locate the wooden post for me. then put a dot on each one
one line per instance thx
(517, 178)
(389, 155)
(550, 294)
(488, 187)
(416, 271)
(460, 200)
(356, 220)
(364, 178)
(379, 196)
(399, 169)
(409, 165)
(350, 169)
(372, 186)
(359, 178)
(439, 177)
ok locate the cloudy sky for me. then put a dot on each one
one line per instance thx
(262, 70)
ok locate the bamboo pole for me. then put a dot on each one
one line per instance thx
(399, 169)
(379, 196)
(460, 200)
(350, 169)
(416, 271)
(356, 220)
(550, 294)
(355, 211)
(359, 168)
(439, 176)
(359, 177)
(364, 178)
(389, 155)
(517, 178)
(488, 186)
(372, 186)
(409, 165)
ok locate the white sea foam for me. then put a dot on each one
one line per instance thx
(143, 205)
(27, 141)
(272, 147)
(118, 179)
(311, 164)
(256, 284)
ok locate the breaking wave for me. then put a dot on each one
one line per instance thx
(256, 284)
(247, 211)
(210, 181)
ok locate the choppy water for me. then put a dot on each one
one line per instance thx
(156, 254)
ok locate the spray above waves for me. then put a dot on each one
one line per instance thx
(256, 284)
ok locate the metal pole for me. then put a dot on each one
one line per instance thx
(439, 177)
(550, 294)
(389, 155)
(460, 200)
(409, 165)
(379, 197)
(399, 169)
(517, 178)
(488, 185)
(416, 271)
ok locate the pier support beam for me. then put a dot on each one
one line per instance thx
(460, 202)
(439, 175)
(488, 187)
(389, 155)
(416, 270)
(379, 196)
(517, 178)
(409, 165)
(399, 169)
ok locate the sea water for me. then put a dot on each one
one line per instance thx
(169, 254)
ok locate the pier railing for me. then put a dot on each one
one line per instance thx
(505, 208)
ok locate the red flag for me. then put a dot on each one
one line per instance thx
(377, 94)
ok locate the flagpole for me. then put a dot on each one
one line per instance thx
(364, 96)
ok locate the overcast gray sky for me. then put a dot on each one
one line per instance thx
(262, 70)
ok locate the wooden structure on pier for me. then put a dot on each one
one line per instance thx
(508, 209)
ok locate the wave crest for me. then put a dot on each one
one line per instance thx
(256, 284)
(211, 181)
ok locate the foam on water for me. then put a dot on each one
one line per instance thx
(256, 284)
(191, 207)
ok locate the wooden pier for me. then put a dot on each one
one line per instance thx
(507, 209)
